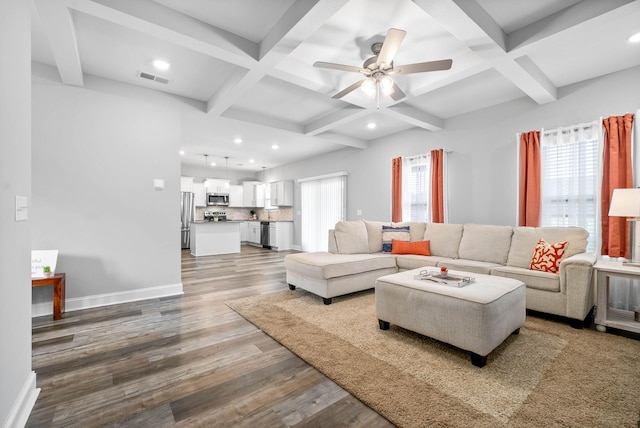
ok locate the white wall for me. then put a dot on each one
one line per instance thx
(202, 172)
(95, 155)
(17, 381)
(483, 163)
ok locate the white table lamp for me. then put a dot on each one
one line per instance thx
(626, 203)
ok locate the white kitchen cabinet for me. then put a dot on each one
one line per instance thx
(273, 242)
(216, 185)
(281, 193)
(253, 194)
(236, 196)
(200, 197)
(186, 184)
(243, 231)
(253, 232)
(281, 235)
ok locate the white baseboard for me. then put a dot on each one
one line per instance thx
(21, 409)
(86, 302)
(296, 247)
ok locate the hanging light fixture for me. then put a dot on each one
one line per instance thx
(226, 167)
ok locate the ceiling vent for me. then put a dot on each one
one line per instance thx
(152, 77)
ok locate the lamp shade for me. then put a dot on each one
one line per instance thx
(625, 203)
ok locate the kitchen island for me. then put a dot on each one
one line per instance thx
(215, 237)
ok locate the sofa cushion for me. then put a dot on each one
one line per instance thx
(414, 261)
(469, 265)
(328, 265)
(351, 237)
(418, 247)
(485, 243)
(374, 235)
(546, 257)
(416, 229)
(525, 239)
(444, 239)
(389, 233)
(534, 279)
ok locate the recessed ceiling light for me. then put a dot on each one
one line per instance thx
(213, 164)
(161, 64)
(371, 125)
(634, 38)
(181, 152)
(238, 140)
(251, 161)
(275, 147)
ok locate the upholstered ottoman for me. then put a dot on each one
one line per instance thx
(477, 317)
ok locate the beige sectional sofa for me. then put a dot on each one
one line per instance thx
(355, 260)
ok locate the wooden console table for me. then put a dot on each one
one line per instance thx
(57, 281)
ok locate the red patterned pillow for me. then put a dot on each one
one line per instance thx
(546, 257)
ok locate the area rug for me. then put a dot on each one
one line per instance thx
(548, 375)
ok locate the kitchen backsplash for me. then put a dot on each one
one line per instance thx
(280, 214)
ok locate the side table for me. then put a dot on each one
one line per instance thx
(611, 317)
(58, 282)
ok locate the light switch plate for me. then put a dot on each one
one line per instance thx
(21, 208)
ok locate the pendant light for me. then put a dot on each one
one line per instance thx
(226, 166)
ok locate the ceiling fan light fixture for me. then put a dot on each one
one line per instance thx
(386, 84)
(369, 87)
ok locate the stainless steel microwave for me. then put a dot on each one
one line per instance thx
(217, 199)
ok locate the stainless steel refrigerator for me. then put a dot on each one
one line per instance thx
(187, 214)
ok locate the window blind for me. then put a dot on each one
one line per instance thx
(416, 188)
(569, 170)
(323, 204)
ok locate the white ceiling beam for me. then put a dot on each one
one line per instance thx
(58, 25)
(335, 119)
(344, 140)
(149, 17)
(466, 21)
(261, 119)
(415, 117)
(560, 21)
(301, 20)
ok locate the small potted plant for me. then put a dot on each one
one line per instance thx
(46, 270)
(253, 215)
(444, 271)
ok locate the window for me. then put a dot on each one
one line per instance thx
(323, 203)
(416, 188)
(569, 178)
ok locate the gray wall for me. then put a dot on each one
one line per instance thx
(483, 160)
(95, 155)
(15, 180)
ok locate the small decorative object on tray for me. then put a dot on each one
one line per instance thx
(447, 279)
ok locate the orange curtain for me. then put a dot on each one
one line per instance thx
(616, 174)
(437, 186)
(396, 190)
(530, 179)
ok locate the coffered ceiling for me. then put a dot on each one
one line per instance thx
(248, 64)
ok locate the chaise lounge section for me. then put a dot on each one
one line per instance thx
(356, 259)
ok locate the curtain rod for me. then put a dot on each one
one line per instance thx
(320, 177)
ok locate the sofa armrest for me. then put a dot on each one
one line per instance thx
(333, 245)
(576, 273)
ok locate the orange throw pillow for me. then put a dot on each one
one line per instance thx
(404, 247)
(546, 257)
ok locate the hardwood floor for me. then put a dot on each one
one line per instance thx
(184, 361)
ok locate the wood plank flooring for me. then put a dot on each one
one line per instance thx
(185, 361)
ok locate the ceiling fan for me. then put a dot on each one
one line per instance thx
(379, 68)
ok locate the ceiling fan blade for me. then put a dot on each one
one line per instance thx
(349, 89)
(335, 66)
(390, 46)
(421, 67)
(397, 93)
